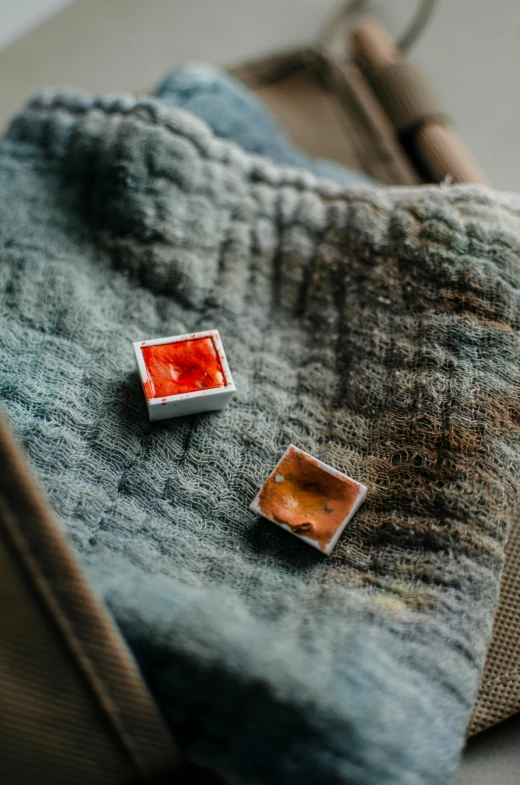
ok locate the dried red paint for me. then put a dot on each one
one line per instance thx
(148, 389)
(307, 498)
(182, 367)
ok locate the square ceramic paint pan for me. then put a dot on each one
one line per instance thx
(184, 374)
(310, 499)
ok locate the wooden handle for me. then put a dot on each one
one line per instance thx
(438, 144)
(372, 45)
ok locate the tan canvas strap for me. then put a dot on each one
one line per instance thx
(73, 706)
(499, 693)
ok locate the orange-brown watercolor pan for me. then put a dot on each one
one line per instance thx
(310, 499)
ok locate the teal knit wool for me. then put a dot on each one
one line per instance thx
(374, 328)
(233, 112)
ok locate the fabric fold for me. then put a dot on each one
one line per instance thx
(375, 328)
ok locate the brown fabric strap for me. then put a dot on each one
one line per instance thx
(407, 96)
(70, 692)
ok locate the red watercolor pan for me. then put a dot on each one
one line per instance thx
(184, 374)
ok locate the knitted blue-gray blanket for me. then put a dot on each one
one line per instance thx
(234, 112)
(376, 329)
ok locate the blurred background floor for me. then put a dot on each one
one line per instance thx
(469, 51)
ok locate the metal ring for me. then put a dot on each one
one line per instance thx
(354, 7)
(417, 25)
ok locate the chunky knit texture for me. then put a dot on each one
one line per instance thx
(233, 112)
(376, 329)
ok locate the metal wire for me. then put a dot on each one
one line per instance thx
(354, 7)
(419, 22)
(338, 19)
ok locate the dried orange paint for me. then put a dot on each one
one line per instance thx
(307, 498)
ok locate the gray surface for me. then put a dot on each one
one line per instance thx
(127, 44)
(470, 51)
(493, 758)
(19, 17)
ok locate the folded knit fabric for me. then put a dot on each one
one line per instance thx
(377, 329)
(233, 112)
